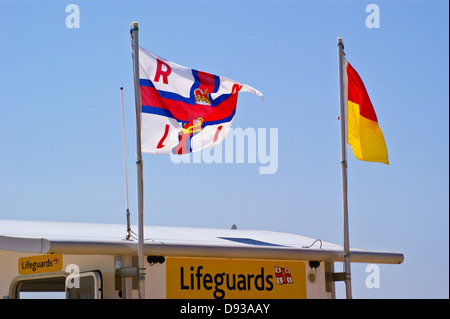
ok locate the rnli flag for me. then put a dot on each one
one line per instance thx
(363, 132)
(184, 110)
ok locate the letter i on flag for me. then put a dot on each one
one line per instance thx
(363, 133)
(184, 110)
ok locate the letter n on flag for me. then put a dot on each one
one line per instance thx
(184, 110)
(363, 133)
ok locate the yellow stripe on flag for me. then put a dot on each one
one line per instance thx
(365, 137)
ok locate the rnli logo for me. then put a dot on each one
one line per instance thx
(283, 276)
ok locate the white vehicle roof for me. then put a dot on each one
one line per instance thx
(109, 239)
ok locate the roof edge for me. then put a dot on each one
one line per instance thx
(217, 251)
(30, 245)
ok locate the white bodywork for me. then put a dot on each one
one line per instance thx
(103, 248)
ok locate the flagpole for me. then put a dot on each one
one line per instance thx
(348, 286)
(125, 165)
(139, 164)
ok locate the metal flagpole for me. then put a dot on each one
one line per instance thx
(125, 165)
(348, 284)
(139, 163)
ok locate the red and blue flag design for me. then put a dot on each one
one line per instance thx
(184, 110)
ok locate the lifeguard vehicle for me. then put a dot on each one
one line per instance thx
(40, 259)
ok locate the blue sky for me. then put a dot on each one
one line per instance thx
(61, 133)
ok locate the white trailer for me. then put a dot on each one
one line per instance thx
(81, 260)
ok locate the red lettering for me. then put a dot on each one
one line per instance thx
(166, 132)
(236, 88)
(216, 136)
(160, 72)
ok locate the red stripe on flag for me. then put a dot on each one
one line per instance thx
(357, 94)
(187, 112)
(207, 81)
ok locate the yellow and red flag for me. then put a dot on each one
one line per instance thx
(363, 133)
